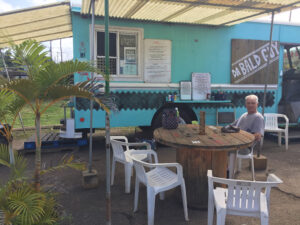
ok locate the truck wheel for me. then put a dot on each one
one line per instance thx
(145, 128)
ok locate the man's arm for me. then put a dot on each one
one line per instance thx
(257, 136)
(258, 128)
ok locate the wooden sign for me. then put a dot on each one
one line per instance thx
(249, 61)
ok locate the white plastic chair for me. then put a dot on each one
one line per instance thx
(121, 151)
(241, 198)
(248, 155)
(157, 180)
(271, 125)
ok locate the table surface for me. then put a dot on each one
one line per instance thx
(187, 136)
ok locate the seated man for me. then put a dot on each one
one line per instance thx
(252, 122)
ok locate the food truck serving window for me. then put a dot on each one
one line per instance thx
(291, 61)
(124, 54)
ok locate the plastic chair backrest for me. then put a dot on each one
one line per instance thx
(139, 169)
(118, 146)
(271, 121)
(245, 195)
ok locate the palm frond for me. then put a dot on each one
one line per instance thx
(11, 104)
(24, 88)
(50, 215)
(55, 73)
(18, 169)
(4, 155)
(5, 98)
(60, 92)
(15, 105)
(97, 89)
(32, 56)
(26, 204)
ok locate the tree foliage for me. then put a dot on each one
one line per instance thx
(46, 85)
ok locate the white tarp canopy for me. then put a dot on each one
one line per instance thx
(43, 23)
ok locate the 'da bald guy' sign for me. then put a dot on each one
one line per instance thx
(249, 61)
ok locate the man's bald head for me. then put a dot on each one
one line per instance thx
(251, 103)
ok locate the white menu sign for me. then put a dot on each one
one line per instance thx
(157, 58)
(200, 85)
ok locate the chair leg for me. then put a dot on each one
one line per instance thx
(232, 159)
(264, 219)
(162, 195)
(149, 158)
(262, 141)
(239, 164)
(150, 205)
(210, 211)
(221, 217)
(113, 171)
(286, 138)
(128, 170)
(184, 201)
(136, 194)
(252, 167)
(279, 139)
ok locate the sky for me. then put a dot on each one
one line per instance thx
(67, 44)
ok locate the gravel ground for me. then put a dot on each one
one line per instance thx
(87, 207)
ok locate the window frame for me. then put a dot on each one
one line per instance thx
(140, 61)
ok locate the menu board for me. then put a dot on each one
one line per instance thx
(185, 90)
(200, 85)
(157, 61)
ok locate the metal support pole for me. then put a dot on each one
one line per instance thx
(267, 74)
(107, 122)
(51, 49)
(268, 65)
(8, 77)
(61, 53)
(92, 79)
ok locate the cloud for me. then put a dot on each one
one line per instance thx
(4, 6)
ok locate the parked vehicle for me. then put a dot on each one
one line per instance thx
(235, 56)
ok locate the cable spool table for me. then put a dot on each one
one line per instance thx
(199, 153)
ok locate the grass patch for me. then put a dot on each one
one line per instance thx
(51, 117)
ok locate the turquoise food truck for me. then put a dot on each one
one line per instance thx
(149, 59)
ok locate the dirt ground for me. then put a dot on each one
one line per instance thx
(87, 207)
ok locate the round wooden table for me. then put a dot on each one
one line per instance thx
(199, 153)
